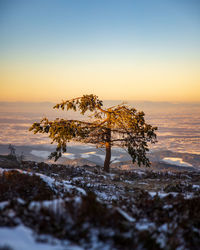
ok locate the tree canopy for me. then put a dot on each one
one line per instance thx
(120, 125)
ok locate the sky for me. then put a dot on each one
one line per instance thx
(117, 49)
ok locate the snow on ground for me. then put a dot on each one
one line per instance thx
(51, 182)
(197, 187)
(48, 180)
(55, 205)
(69, 186)
(161, 194)
(125, 215)
(176, 161)
(119, 191)
(22, 238)
(3, 204)
(144, 225)
(15, 169)
(105, 196)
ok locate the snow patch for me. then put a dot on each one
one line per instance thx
(3, 204)
(144, 225)
(51, 182)
(53, 204)
(104, 196)
(21, 238)
(162, 195)
(69, 186)
(125, 215)
(197, 187)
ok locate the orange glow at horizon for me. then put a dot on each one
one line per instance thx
(177, 82)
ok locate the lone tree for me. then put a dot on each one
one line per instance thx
(119, 125)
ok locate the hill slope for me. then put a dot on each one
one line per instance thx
(84, 208)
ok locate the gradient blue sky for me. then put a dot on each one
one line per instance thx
(95, 46)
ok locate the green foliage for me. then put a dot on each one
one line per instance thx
(84, 103)
(120, 125)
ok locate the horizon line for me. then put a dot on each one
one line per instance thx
(114, 100)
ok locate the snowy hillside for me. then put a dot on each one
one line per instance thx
(45, 206)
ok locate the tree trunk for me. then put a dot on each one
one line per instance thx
(108, 152)
(107, 158)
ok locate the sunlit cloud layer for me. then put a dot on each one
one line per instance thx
(176, 131)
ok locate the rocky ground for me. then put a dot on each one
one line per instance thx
(84, 208)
